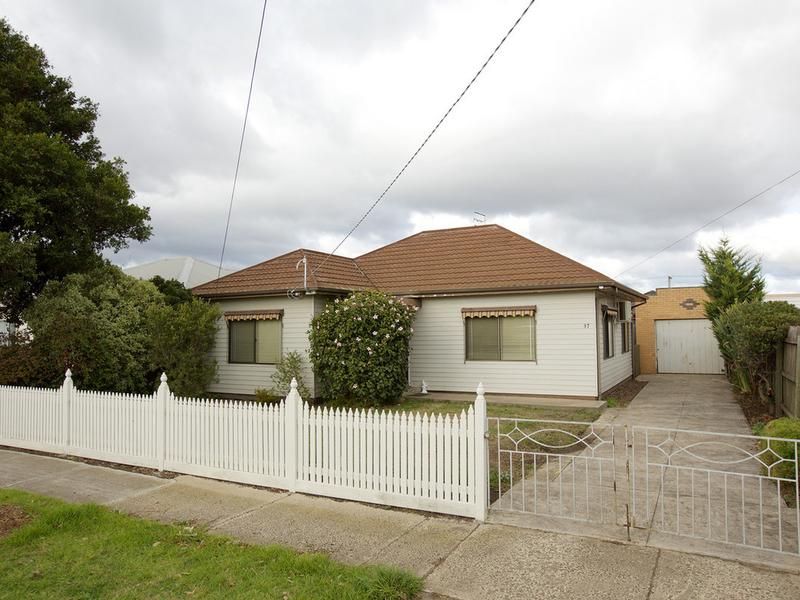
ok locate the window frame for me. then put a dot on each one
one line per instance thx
(626, 329)
(255, 360)
(609, 343)
(497, 319)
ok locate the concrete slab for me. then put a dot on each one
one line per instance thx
(497, 561)
(425, 546)
(348, 532)
(679, 575)
(196, 500)
(89, 483)
(16, 467)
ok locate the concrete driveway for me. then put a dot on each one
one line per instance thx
(697, 402)
(678, 468)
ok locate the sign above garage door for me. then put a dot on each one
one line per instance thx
(687, 346)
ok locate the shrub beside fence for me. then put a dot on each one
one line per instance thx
(425, 462)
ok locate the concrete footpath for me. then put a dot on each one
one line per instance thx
(457, 558)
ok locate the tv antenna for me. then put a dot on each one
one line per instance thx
(478, 218)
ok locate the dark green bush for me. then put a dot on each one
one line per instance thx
(787, 428)
(116, 333)
(359, 348)
(748, 335)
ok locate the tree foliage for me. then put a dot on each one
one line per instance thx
(116, 333)
(730, 276)
(95, 324)
(359, 348)
(749, 335)
(61, 201)
(174, 291)
(181, 337)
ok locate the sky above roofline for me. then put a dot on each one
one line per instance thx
(602, 132)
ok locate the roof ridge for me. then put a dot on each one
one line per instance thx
(413, 235)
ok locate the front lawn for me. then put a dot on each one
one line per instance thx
(87, 551)
(518, 411)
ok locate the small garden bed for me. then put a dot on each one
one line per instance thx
(54, 549)
(622, 395)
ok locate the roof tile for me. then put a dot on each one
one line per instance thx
(478, 258)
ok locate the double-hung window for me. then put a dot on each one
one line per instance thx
(254, 336)
(500, 333)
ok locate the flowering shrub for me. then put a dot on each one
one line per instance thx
(359, 348)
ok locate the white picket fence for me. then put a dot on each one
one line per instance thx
(426, 462)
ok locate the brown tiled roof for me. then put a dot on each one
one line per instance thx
(465, 259)
(282, 273)
(486, 257)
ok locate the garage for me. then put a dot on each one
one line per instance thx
(687, 346)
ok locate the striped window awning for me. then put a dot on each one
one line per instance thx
(500, 311)
(254, 315)
(610, 311)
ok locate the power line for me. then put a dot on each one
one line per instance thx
(241, 139)
(428, 137)
(714, 220)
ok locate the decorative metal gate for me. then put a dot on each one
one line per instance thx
(634, 481)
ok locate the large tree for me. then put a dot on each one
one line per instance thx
(731, 276)
(61, 201)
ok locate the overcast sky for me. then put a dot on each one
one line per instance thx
(603, 130)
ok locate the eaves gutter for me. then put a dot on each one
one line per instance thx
(447, 293)
(519, 290)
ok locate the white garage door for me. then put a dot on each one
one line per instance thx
(687, 346)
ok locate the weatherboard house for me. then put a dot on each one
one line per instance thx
(493, 307)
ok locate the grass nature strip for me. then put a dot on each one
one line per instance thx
(88, 551)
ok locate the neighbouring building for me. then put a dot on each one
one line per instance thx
(189, 271)
(674, 335)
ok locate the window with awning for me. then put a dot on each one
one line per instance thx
(505, 333)
(254, 336)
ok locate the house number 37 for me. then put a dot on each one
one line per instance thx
(587, 325)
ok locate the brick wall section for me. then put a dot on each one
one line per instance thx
(665, 303)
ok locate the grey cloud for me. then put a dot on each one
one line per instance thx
(614, 130)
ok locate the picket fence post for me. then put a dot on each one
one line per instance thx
(66, 400)
(480, 454)
(293, 404)
(162, 395)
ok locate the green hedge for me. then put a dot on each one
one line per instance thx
(787, 428)
(748, 335)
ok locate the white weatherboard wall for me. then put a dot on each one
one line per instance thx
(234, 378)
(619, 367)
(566, 346)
